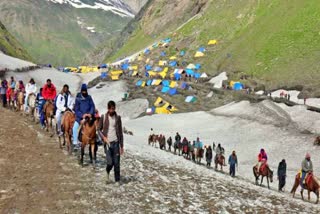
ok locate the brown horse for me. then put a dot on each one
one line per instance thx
(12, 99)
(20, 101)
(68, 120)
(312, 185)
(88, 137)
(198, 154)
(264, 171)
(220, 160)
(48, 110)
(153, 139)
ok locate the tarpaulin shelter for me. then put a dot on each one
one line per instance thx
(199, 54)
(173, 91)
(212, 42)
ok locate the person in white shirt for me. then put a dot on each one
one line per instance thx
(31, 88)
(64, 102)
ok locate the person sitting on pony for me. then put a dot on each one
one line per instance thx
(262, 159)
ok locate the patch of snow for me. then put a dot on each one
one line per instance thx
(210, 94)
(294, 97)
(13, 63)
(218, 80)
(259, 93)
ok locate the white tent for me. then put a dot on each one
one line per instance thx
(204, 75)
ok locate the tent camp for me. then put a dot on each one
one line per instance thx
(190, 99)
(103, 66)
(184, 85)
(139, 83)
(173, 63)
(157, 69)
(103, 75)
(173, 91)
(191, 66)
(163, 53)
(182, 53)
(190, 72)
(133, 67)
(212, 42)
(173, 58)
(204, 75)
(202, 49)
(165, 89)
(162, 63)
(159, 102)
(115, 77)
(196, 75)
(173, 84)
(156, 82)
(148, 67)
(166, 83)
(197, 66)
(161, 110)
(147, 51)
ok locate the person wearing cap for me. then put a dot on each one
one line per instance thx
(306, 167)
(84, 107)
(63, 104)
(233, 162)
(49, 91)
(262, 159)
(282, 174)
(110, 131)
(31, 88)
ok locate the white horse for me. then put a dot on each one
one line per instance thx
(31, 102)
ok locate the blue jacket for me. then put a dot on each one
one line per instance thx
(84, 105)
(233, 160)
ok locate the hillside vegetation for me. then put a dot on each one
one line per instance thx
(274, 43)
(10, 46)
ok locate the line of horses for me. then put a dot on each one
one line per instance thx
(311, 182)
(87, 132)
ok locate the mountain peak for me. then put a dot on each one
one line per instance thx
(115, 6)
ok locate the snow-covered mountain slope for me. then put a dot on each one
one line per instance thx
(116, 6)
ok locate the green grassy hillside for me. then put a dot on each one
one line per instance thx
(10, 46)
(275, 42)
(51, 33)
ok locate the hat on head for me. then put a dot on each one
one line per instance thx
(84, 87)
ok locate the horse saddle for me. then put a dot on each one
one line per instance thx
(263, 167)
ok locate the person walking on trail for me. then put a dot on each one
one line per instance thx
(306, 167)
(219, 152)
(3, 92)
(110, 130)
(233, 162)
(209, 156)
(31, 88)
(84, 107)
(12, 83)
(62, 105)
(169, 141)
(282, 174)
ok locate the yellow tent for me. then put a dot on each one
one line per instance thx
(232, 83)
(159, 101)
(116, 73)
(133, 67)
(162, 110)
(199, 54)
(173, 84)
(140, 58)
(152, 73)
(163, 74)
(173, 58)
(165, 70)
(172, 75)
(169, 107)
(163, 63)
(191, 66)
(143, 84)
(134, 73)
(212, 42)
(148, 60)
(115, 77)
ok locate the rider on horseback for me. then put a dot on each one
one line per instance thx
(306, 167)
(262, 159)
(84, 107)
(219, 152)
(63, 104)
(31, 88)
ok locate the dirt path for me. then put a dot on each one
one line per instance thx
(36, 177)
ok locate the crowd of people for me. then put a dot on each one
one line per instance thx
(184, 147)
(82, 106)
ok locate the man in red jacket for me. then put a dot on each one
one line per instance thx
(49, 91)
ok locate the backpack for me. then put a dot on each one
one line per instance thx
(55, 105)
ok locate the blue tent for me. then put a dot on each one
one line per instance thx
(237, 86)
(177, 76)
(148, 67)
(139, 83)
(165, 89)
(125, 66)
(184, 85)
(103, 66)
(173, 63)
(147, 51)
(166, 83)
(163, 53)
(198, 66)
(197, 75)
(202, 49)
(182, 53)
(190, 72)
(149, 82)
(103, 75)
(173, 91)
(167, 40)
(147, 74)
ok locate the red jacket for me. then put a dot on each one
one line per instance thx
(262, 156)
(49, 93)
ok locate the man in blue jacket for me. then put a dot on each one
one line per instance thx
(84, 107)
